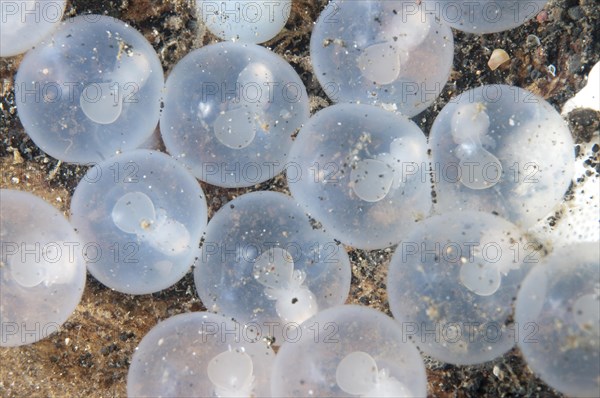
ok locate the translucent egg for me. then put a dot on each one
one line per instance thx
(452, 283)
(348, 351)
(143, 215)
(486, 16)
(90, 91)
(501, 149)
(387, 53)
(558, 312)
(362, 172)
(200, 355)
(230, 112)
(25, 23)
(42, 270)
(263, 263)
(248, 21)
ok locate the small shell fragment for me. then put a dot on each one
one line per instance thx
(499, 56)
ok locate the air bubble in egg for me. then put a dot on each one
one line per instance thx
(453, 280)
(362, 172)
(90, 90)
(25, 23)
(230, 112)
(485, 16)
(387, 53)
(248, 21)
(200, 354)
(42, 270)
(145, 214)
(261, 261)
(501, 149)
(558, 312)
(349, 350)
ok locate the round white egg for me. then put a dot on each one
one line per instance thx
(501, 149)
(230, 112)
(262, 262)
(42, 268)
(452, 283)
(348, 350)
(90, 91)
(248, 21)
(386, 53)
(558, 312)
(143, 214)
(200, 354)
(24, 23)
(363, 173)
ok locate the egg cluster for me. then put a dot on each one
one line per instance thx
(272, 269)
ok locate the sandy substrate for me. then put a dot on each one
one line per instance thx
(91, 354)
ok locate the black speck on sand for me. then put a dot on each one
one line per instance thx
(91, 354)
